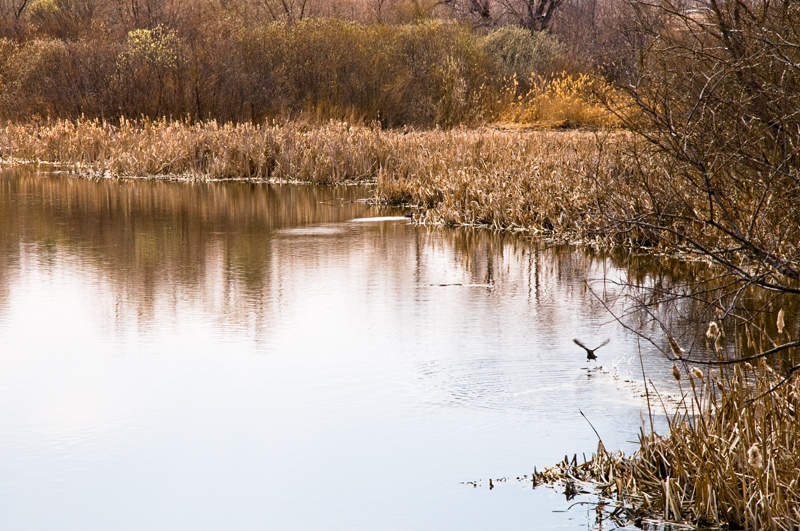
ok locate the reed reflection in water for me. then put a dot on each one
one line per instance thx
(227, 355)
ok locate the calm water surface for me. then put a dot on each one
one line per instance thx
(241, 356)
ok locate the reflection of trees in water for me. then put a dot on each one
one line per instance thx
(649, 293)
(159, 243)
(683, 297)
(9, 239)
(556, 280)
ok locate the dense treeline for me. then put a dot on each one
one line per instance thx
(421, 74)
(244, 61)
(578, 21)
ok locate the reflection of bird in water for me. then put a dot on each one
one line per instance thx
(590, 351)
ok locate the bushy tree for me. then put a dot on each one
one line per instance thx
(716, 95)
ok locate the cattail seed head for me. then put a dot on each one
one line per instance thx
(754, 458)
(676, 372)
(698, 373)
(713, 330)
(676, 349)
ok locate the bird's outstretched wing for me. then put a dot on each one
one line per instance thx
(584, 347)
(604, 343)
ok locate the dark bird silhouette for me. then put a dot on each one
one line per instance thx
(590, 351)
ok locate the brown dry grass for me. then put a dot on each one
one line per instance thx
(334, 153)
(505, 179)
(728, 460)
(560, 101)
(533, 180)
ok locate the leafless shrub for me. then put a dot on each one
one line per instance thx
(717, 105)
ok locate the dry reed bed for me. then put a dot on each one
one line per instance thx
(506, 179)
(728, 459)
(205, 151)
(544, 181)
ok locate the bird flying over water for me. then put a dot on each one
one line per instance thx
(590, 351)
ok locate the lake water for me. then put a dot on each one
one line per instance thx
(248, 356)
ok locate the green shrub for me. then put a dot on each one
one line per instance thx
(148, 77)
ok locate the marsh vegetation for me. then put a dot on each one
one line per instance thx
(505, 179)
(728, 460)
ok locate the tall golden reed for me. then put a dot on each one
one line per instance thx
(728, 460)
(504, 179)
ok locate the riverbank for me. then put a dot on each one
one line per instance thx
(729, 461)
(554, 182)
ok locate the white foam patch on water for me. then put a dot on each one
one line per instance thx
(380, 218)
(312, 231)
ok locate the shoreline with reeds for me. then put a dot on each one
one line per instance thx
(506, 179)
(729, 461)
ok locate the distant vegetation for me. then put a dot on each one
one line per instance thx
(258, 61)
